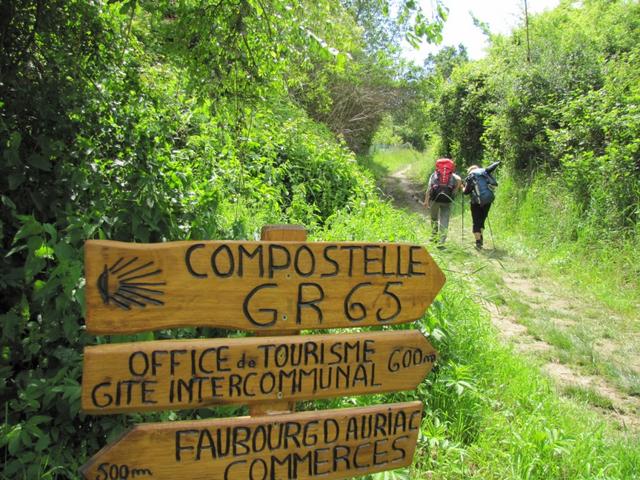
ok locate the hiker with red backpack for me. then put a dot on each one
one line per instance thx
(443, 185)
(480, 185)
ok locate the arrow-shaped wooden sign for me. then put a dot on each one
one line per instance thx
(144, 376)
(330, 444)
(257, 286)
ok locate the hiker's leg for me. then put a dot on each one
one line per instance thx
(435, 207)
(485, 214)
(476, 215)
(445, 213)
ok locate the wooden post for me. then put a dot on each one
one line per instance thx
(277, 233)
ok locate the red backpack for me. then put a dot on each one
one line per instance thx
(442, 190)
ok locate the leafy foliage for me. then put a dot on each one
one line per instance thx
(570, 112)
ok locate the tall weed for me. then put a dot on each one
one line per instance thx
(544, 216)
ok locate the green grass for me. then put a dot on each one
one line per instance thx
(386, 162)
(490, 413)
(588, 396)
(547, 225)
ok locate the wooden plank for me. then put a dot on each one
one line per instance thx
(174, 374)
(330, 444)
(255, 286)
(277, 233)
(289, 233)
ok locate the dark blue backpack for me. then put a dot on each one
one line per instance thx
(481, 193)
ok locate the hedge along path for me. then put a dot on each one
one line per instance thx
(280, 286)
(329, 444)
(158, 375)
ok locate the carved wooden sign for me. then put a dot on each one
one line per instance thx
(159, 375)
(328, 444)
(257, 286)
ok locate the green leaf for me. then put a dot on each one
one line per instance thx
(29, 228)
(13, 439)
(38, 161)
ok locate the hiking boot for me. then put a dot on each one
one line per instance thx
(479, 244)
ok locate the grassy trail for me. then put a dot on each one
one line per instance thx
(589, 351)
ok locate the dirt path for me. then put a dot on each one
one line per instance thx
(527, 309)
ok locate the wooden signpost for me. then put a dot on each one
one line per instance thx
(330, 444)
(130, 377)
(274, 287)
(256, 286)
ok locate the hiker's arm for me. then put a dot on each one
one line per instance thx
(468, 186)
(492, 181)
(458, 183)
(426, 199)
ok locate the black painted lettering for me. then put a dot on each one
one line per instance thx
(227, 470)
(267, 383)
(205, 442)
(356, 454)
(331, 430)
(291, 432)
(155, 361)
(259, 439)
(230, 262)
(187, 260)
(318, 463)
(273, 313)
(355, 311)
(275, 266)
(254, 472)
(241, 441)
(332, 261)
(381, 425)
(297, 460)
(245, 389)
(341, 453)
(222, 359)
(184, 385)
(398, 308)
(215, 385)
(400, 423)
(203, 355)
(310, 302)
(243, 252)
(309, 439)
(369, 260)
(401, 451)
(173, 361)
(378, 453)
(107, 398)
(144, 364)
(413, 262)
(179, 446)
(146, 391)
(350, 249)
(298, 263)
(235, 383)
(368, 350)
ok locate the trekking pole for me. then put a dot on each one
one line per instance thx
(462, 224)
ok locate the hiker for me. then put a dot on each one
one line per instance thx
(480, 184)
(442, 188)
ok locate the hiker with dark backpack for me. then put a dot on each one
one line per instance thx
(480, 185)
(442, 188)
